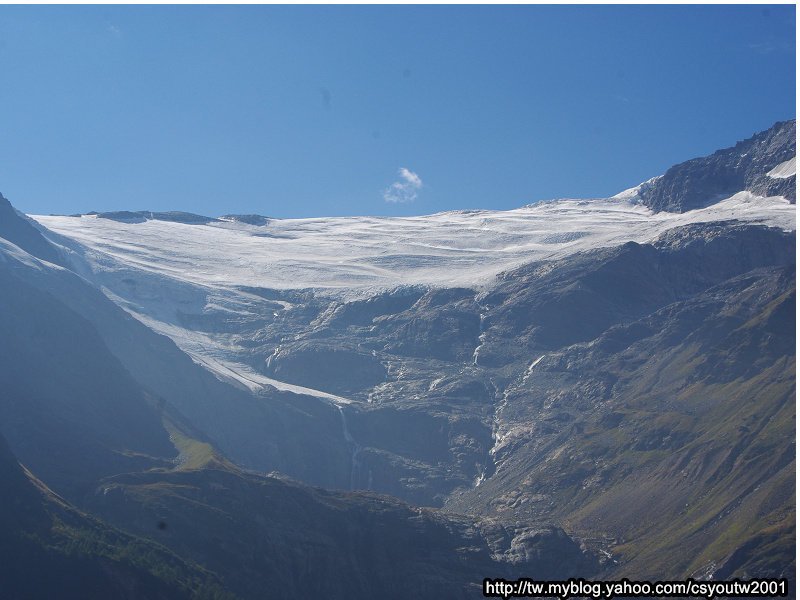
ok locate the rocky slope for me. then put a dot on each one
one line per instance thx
(752, 165)
(668, 439)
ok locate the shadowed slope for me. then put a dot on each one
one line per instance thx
(50, 550)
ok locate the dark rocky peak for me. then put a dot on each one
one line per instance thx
(746, 166)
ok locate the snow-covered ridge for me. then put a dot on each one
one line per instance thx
(633, 194)
(347, 254)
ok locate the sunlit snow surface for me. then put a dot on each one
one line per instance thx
(350, 254)
(783, 170)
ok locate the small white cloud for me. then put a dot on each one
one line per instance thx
(405, 190)
(114, 30)
(411, 177)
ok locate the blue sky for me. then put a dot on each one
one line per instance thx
(395, 110)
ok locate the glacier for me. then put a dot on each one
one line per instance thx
(158, 270)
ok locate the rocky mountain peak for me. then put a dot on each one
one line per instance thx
(751, 165)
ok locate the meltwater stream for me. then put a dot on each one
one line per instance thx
(355, 449)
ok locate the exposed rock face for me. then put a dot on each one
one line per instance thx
(336, 369)
(703, 181)
(443, 325)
